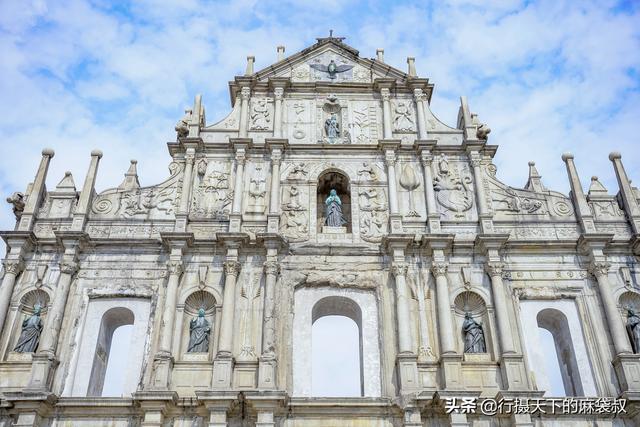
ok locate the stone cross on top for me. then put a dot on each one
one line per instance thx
(340, 39)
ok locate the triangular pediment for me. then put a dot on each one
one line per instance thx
(332, 61)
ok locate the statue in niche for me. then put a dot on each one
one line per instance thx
(473, 336)
(332, 127)
(633, 328)
(31, 330)
(333, 210)
(199, 329)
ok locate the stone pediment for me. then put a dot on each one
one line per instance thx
(332, 61)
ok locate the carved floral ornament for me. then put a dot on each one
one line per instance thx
(13, 266)
(175, 267)
(69, 267)
(599, 268)
(399, 269)
(494, 269)
(439, 269)
(232, 268)
(271, 267)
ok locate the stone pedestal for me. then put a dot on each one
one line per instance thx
(32, 409)
(154, 405)
(267, 373)
(627, 367)
(514, 372)
(162, 367)
(222, 373)
(451, 365)
(326, 229)
(407, 366)
(217, 403)
(42, 368)
(266, 405)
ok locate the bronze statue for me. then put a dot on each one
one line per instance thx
(199, 329)
(633, 329)
(331, 68)
(30, 335)
(332, 127)
(473, 336)
(333, 210)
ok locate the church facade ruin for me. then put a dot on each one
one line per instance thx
(330, 189)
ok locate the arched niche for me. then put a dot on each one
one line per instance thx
(473, 303)
(100, 320)
(344, 314)
(112, 319)
(339, 181)
(25, 309)
(194, 302)
(552, 333)
(556, 323)
(630, 301)
(311, 304)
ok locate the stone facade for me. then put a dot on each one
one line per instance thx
(237, 231)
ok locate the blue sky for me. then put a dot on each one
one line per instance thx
(547, 76)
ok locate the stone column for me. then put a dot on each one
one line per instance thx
(486, 223)
(495, 269)
(37, 192)
(245, 94)
(278, 94)
(419, 96)
(185, 196)
(231, 271)
(170, 303)
(600, 270)
(274, 196)
(12, 267)
(385, 93)
(390, 160)
(433, 217)
(271, 270)
(239, 182)
(445, 322)
(44, 361)
(399, 271)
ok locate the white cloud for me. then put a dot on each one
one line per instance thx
(547, 76)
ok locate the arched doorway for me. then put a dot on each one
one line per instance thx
(333, 180)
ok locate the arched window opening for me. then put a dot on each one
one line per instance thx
(337, 348)
(556, 324)
(332, 180)
(111, 353)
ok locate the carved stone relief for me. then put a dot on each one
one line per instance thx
(454, 190)
(409, 181)
(373, 214)
(257, 189)
(363, 123)
(298, 121)
(368, 172)
(260, 115)
(403, 118)
(156, 202)
(213, 193)
(294, 222)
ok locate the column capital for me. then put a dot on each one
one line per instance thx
(599, 268)
(68, 267)
(399, 269)
(278, 93)
(385, 93)
(390, 158)
(245, 92)
(419, 95)
(271, 267)
(231, 268)
(495, 268)
(175, 267)
(13, 266)
(439, 268)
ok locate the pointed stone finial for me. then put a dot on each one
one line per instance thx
(280, 53)
(411, 61)
(596, 189)
(66, 183)
(131, 178)
(380, 55)
(250, 61)
(534, 183)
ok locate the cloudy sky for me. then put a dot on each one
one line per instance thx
(547, 76)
